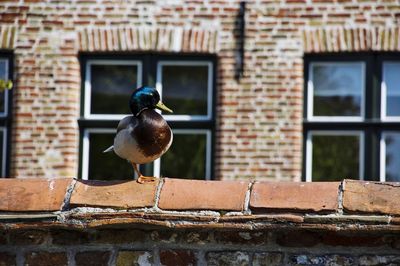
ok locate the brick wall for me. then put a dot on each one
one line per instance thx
(258, 118)
(146, 246)
(73, 222)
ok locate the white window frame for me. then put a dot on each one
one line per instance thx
(4, 151)
(309, 146)
(382, 159)
(207, 132)
(6, 63)
(88, 86)
(310, 93)
(86, 147)
(384, 115)
(209, 64)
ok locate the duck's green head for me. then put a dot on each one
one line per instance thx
(146, 98)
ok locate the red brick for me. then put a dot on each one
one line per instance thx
(118, 194)
(7, 259)
(29, 237)
(180, 194)
(298, 239)
(43, 258)
(92, 258)
(295, 196)
(33, 194)
(177, 257)
(371, 197)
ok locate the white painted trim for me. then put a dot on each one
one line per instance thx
(207, 132)
(5, 113)
(86, 148)
(311, 133)
(310, 94)
(210, 66)
(382, 159)
(88, 85)
(384, 115)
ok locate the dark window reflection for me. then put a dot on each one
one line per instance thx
(1, 151)
(186, 158)
(392, 79)
(337, 89)
(106, 166)
(111, 87)
(3, 75)
(184, 89)
(335, 157)
(392, 141)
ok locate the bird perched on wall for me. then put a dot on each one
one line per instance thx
(143, 136)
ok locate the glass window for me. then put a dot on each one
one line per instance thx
(391, 156)
(335, 156)
(185, 85)
(109, 86)
(5, 118)
(352, 119)
(3, 94)
(391, 89)
(188, 156)
(336, 89)
(105, 166)
(2, 151)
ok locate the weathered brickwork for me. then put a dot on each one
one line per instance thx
(75, 222)
(259, 131)
(195, 247)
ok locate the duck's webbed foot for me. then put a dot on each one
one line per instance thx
(146, 179)
(141, 178)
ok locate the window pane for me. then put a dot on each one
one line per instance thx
(338, 89)
(184, 89)
(186, 158)
(1, 150)
(335, 157)
(4, 76)
(111, 86)
(392, 141)
(391, 75)
(106, 166)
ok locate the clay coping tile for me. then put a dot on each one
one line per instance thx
(46, 195)
(295, 196)
(183, 194)
(114, 194)
(371, 197)
(33, 194)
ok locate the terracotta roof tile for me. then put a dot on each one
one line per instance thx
(181, 194)
(371, 197)
(294, 196)
(118, 194)
(32, 194)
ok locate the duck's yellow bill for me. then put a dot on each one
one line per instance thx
(162, 107)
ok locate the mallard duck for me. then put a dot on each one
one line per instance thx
(143, 136)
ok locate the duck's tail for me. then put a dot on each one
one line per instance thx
(111, 148)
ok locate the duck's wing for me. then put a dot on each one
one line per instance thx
(128, 121)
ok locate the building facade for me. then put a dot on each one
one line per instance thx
(272, 90)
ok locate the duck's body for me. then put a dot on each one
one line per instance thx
(144, 138)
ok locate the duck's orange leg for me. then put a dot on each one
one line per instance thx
(141, 178)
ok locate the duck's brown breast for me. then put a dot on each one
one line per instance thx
(152, 133)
